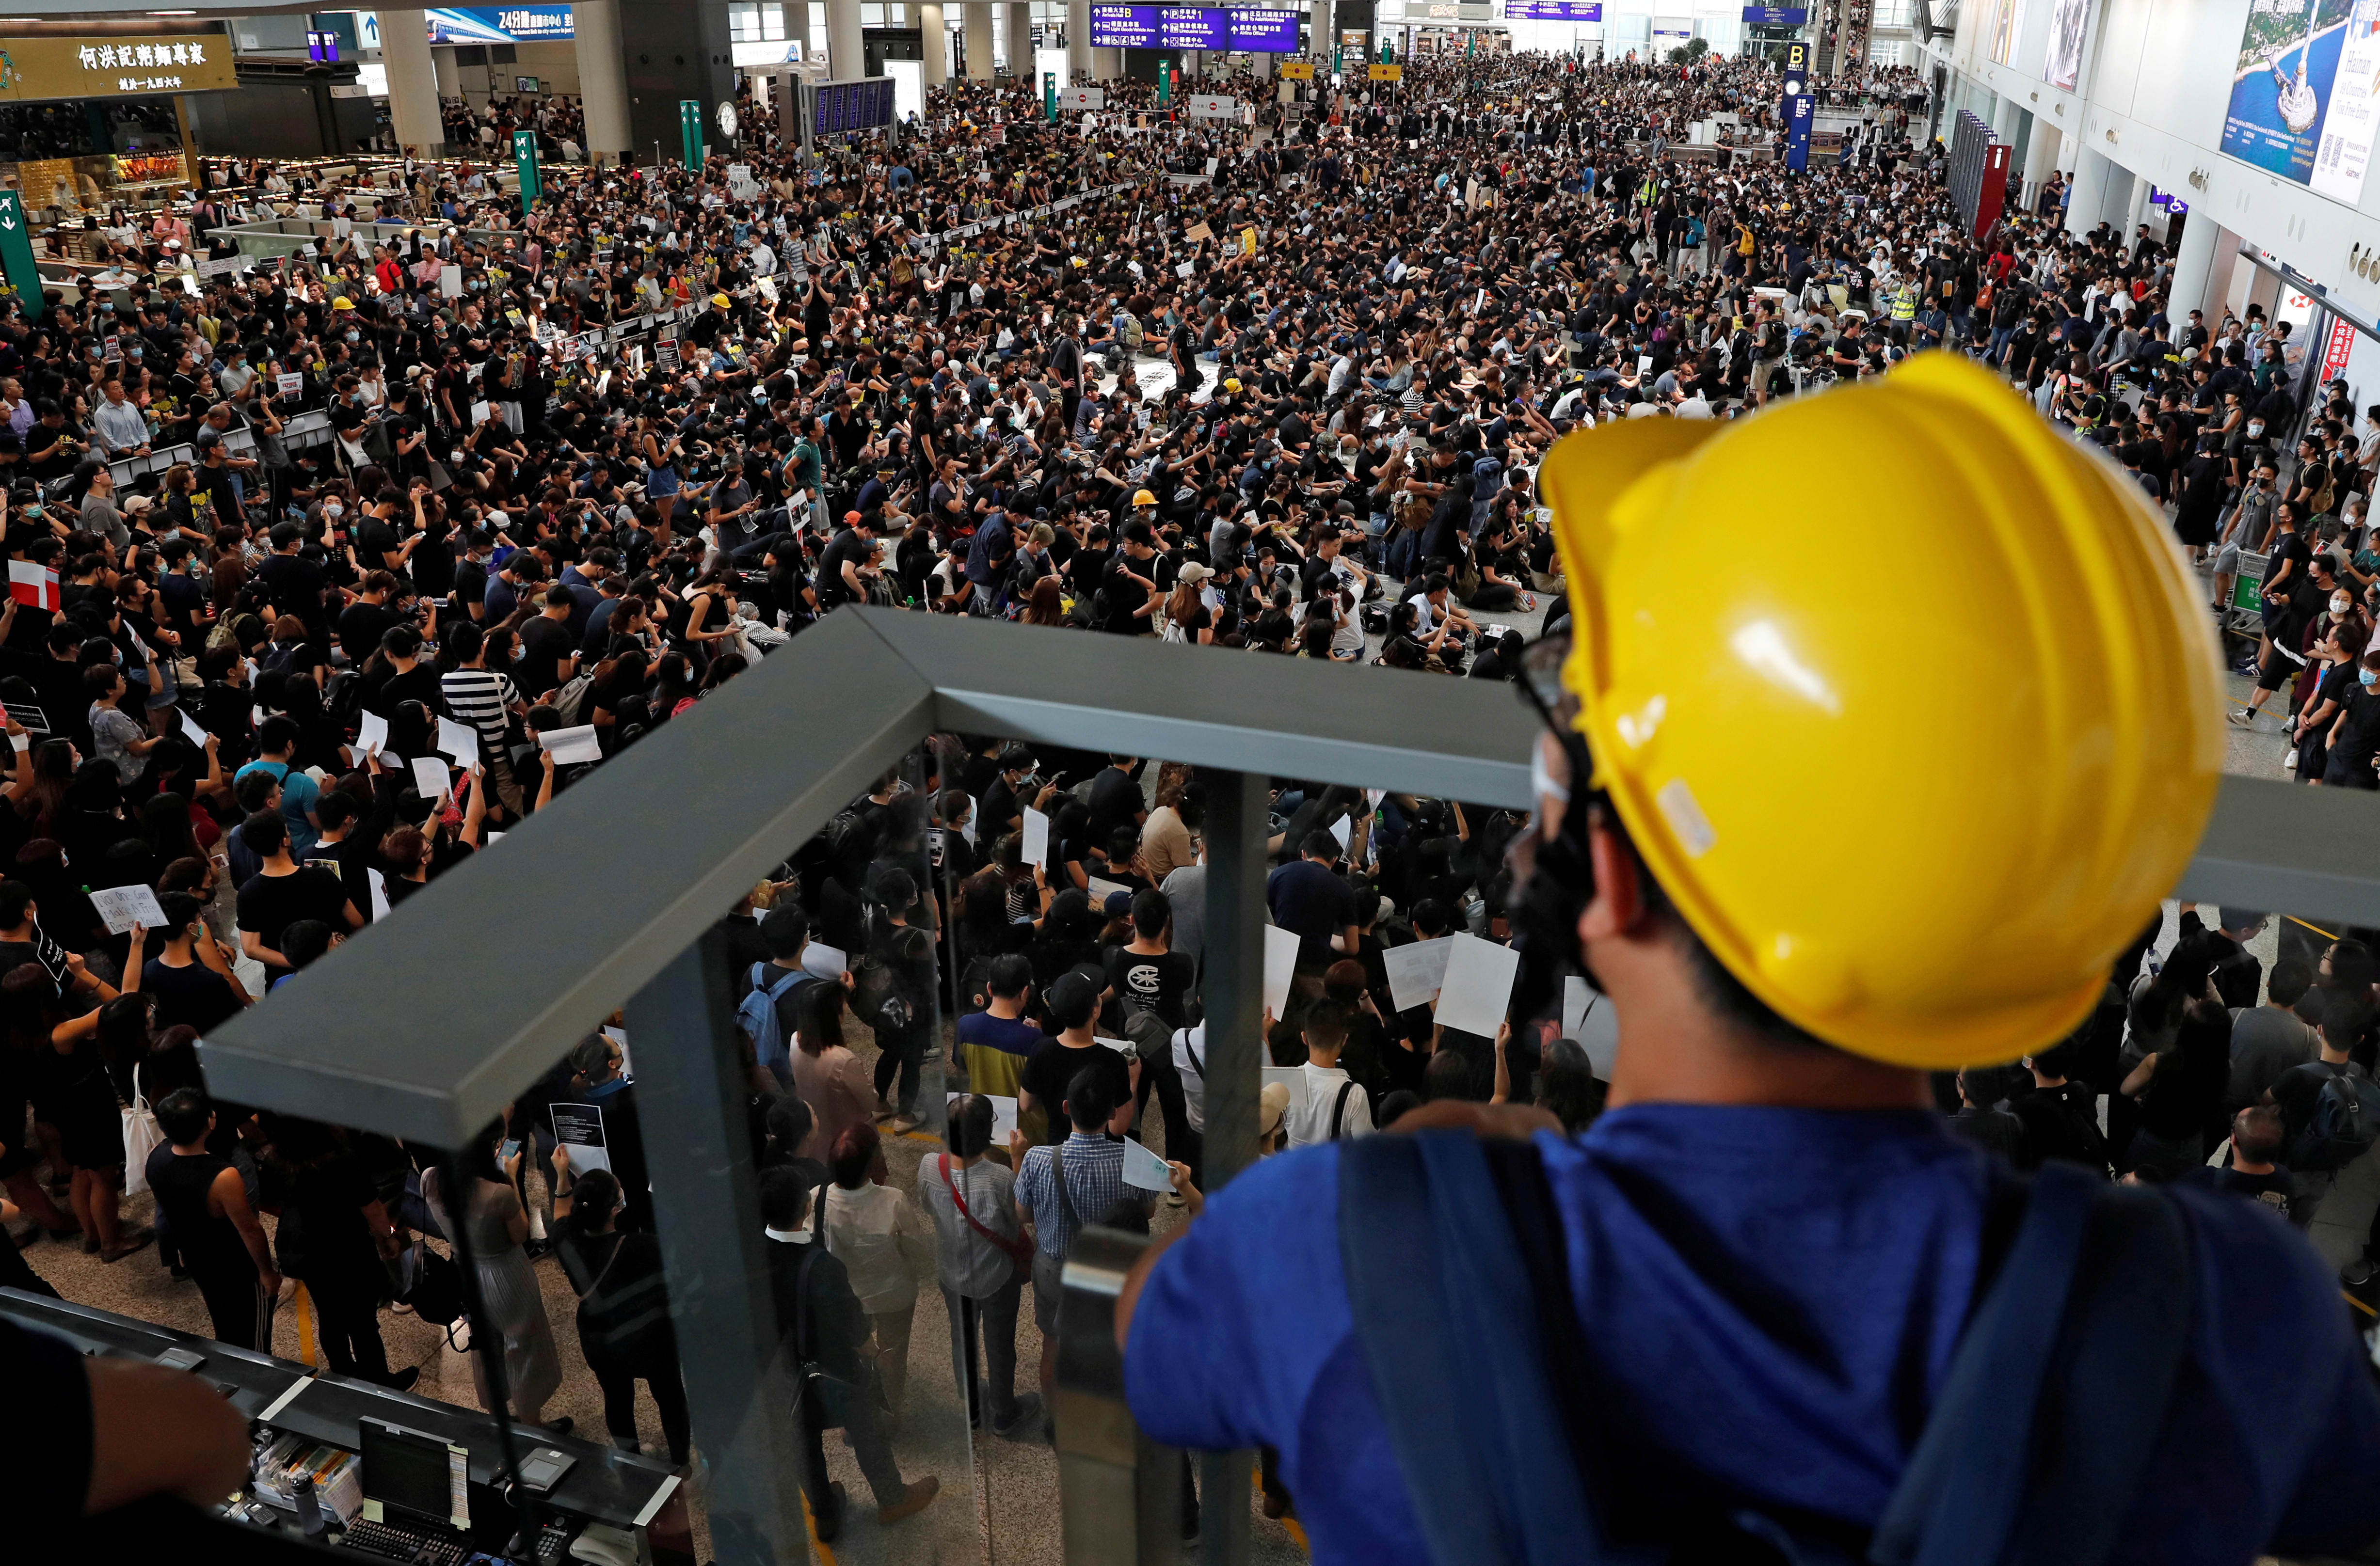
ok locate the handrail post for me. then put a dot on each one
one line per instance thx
(1121, 1492)
(739, 1389)
(1239, 823)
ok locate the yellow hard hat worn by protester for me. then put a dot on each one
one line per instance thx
(1907, 704)
(1905, 698)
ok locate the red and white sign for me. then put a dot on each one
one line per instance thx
(33, 585)
(2341, 346)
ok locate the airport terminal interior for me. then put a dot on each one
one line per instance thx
(1770, 956)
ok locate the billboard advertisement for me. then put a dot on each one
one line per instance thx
(2062, 67)
(2305, 93)
(1553, 10)
(2006, 19)
(1777, 15)
(501, 24)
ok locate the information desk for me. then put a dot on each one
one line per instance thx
(603, 1485)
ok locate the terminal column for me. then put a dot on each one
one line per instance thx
(413, 114)
(2040, 156)
(602, 77)
(933, 34)
(978, 17)
(847, 50)
(1078, 40)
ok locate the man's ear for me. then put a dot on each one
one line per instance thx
(1617, 907)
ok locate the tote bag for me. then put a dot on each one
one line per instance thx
(140, 1136)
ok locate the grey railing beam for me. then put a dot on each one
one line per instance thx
(433, 1019)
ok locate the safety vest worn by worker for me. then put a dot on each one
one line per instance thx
(1905, 303)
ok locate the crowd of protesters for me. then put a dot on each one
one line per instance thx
(1279, 382)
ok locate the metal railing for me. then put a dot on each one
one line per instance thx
(428, 1023)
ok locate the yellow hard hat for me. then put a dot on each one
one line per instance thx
(1142, 497)
(1908, 701)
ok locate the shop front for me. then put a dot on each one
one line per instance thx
(87, 120)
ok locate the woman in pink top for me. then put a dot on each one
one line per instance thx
(828, 1076)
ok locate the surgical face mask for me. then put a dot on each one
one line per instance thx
(333, 508)
(2342, 605)
(2254, 430)
(2369, 676)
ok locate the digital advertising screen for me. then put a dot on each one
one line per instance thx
(2306, 94)
(1553, 10)
(2062, 66)
(1777, 15)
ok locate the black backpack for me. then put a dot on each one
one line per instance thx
(2345, 1122)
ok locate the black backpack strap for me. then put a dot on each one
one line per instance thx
(1448, 1318)
(2055, 1398)
(1338, 1110)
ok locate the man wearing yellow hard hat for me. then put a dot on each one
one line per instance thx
(1767, 1310)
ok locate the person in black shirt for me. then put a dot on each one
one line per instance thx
(364, 622)
(1131, 597)
(1116, 799)
(190, 987)
(397, 676)
(215, 1231)
(2354, 739)
(284, 891)
(548, 655)
(843, 565)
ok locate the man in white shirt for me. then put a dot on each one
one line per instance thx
(119, 427)
(1335, 1105)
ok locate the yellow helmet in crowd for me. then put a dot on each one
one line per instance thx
(1141, 498)
(1908, 701)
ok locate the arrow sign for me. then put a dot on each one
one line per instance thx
(17, 255)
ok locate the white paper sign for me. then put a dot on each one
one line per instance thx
(1118, 1045)
(1280, 966)
(1145, 1169)
(1578, 997)
(1036, 837)
(460, 741)
(579, 1130)
(1003, 1116)
(1101, 891)
(1478, 988)
(1595, 1029)
(121, 907)
(1416, 972)
(371, 734)
(192, 731)
(828, 953)
(379, 895)
(572, 744)
(1291, 1078)
(429, 776)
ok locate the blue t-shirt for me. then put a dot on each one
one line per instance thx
(1013, 1036)
(1770, 1299)
(299, 794)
